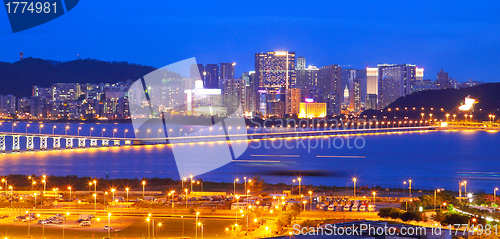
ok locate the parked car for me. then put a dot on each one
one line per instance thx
(3, 216)
(85, 224)
(19, 218)
(108, 228)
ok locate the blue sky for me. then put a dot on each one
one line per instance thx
(460, 36)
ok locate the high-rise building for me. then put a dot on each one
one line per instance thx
(7, 104)
(233, 94)
(301, 63)
(356, 95)
(443, 80)
(196, 71)
(330, 84)
(65, 91)
(307, 76)
(371, 80)
(41, 92)
(371, 102)
(275, 71)
(394, 81)
(293, 99)
(226, 71)
(211, 76)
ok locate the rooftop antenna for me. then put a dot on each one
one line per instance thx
(21, 55)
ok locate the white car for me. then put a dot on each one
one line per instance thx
(108, 228)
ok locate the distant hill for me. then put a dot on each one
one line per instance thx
(487, 98)
(18, 78)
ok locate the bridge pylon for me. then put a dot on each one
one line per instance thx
(69, 143)
(2, 143)
(29, 143)
(15, 143)
(57, 143)
(43, 142)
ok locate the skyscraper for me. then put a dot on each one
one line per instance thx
(275, 71)
(211, 76)
(329, 81)
(301, 63)
(307, 76)
(196, 71)
(371, 80)
(442, 79)
(394, 81)
(226, 71)
(293, 100)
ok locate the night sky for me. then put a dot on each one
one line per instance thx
(460, 36)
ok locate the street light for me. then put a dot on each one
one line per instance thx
(235, 180)
(374, 194)
(91, 129)
(409, 187)
(311, 201)
(143, 188)
(437, 190)
(299, 179)
(40, 129)
(114, 131)
(102, 132)
(28, 125)
(495, 195)
(53, 129)
(79, 128)
(404, 186)
(69, 188)
(126, 189)
(354, 180)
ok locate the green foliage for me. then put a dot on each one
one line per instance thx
(396, 213)
(191, 210)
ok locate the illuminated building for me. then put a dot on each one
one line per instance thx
(7, 104)
(233, 94)
(395, 81)
(65, 91)
(355, 99)
(371, 102)
(275, 71)
(293, 100)
(275, 74)
(371, 80)
(301, 63)
(308, 76)
(211, 76)
(468, 104)
(329, 81)
(312, 110)
(226, 71)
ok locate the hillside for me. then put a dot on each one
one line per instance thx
(487, 98)
(18, 78)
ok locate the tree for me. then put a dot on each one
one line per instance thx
(257, 185)
(390, 212)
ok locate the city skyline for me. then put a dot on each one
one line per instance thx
(456, 37)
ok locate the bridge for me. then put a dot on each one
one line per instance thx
(69, 140)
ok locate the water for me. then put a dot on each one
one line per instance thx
(434, 159)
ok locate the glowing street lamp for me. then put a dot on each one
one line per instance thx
(53, 129)
(79, 128)
(143, 187)
(40, 129)
(91, 129)
(495, 195)
(126, 189)
(354, 180)
(102, 132)
(28, 125)
(447, 115)
(374, 194)
(409, 187)
(235, 180)
(114, 131)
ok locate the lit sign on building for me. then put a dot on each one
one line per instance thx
(469, 103)
(309, 100)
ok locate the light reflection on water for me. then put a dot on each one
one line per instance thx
(431, 159)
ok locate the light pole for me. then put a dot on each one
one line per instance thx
(495, 195)
(447, 115)
(186, 190)
(13, 125)
(311, 201)
(354, 180)
(79, 128)
(404, 186)
(64, 222)
(53, 130)
(69, 188)
(291, 192)
(95, 201)
(191, 177)
(114, 131)
(113, 193)
(409, 188)
(125, 133)
(159, 131)
(66, 130)
(235, 180)
(465, 187)
(126, 189)
(91, 129)
(300, 180)
(245, 178)
(172, 194)
(28, 125)
(95, 186)
(374, 194)
(437, 190)
(180, 130)
(109, 225)
(102, 132)
(454, 116)
(143, 188)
